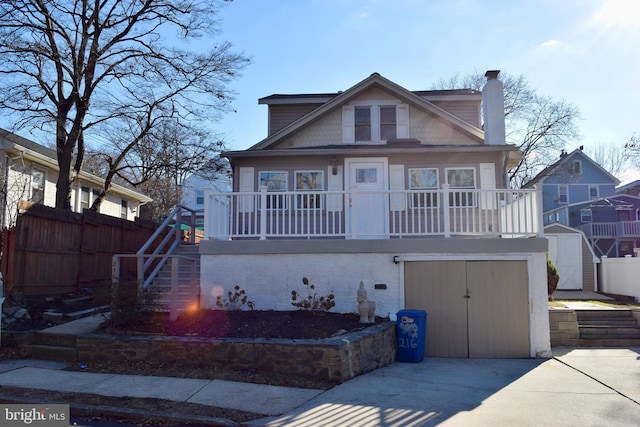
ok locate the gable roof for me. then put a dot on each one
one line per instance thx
(47, 156)
(565, 158)
(334, 102)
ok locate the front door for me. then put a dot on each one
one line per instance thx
(367, 213)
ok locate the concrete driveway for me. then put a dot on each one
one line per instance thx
(578, 387)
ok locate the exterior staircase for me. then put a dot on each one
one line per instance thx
(188, 278)
(608, 328)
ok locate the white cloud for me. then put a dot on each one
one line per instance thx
(550, 44)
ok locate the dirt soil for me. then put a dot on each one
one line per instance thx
(298, 324)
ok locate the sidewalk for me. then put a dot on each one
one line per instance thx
(578, 387)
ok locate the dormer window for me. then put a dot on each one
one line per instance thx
(374, 122)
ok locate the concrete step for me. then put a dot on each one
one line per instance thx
(597, 341)
(606, 322)
(596, 314)
(609, 330)
(51, 352)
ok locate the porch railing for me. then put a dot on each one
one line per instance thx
(611, 230)
(373, 214)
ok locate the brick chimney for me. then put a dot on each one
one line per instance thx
(493, 109)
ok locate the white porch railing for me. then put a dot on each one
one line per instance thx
(611, 230)
(377, 214)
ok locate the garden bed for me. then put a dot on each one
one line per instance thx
(336, 358)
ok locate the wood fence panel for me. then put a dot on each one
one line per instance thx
(57, 251)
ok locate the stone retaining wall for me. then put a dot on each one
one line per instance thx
(335, 359)
(563, 327)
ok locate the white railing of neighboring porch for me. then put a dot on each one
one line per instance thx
(377, 214)
(611, 230)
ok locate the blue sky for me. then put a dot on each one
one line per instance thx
(586, 52)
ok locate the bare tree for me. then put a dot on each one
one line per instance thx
(539, 126)
(159, 163)
(632, 150)
(612, 158)
(78, 64)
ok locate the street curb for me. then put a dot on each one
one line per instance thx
(80, 410)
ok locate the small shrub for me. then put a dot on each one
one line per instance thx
(312, 302)
(552, 279)
(130, 305)
(235, 300)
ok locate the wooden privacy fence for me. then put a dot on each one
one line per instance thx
(52, 251)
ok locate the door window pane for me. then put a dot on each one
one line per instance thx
(366, 175)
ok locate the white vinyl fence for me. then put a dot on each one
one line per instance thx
(620, 276)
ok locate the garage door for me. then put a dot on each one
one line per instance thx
(565, 252)
(475, 309)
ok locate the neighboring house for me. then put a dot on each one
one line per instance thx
(30, 171)
(574, 178)
(611, 224)
(405, 191)
(195, 185)
(577, 192)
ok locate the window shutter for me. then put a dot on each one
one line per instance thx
(334, 183)
(402, 121)
(246, 177)
(348, 124)
(398, 202)
(487, 182)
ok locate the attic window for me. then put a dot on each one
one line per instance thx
(363, 123)
(374, 122)
(577, 167)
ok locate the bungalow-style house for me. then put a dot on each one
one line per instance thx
(29, 172)
(405, 191)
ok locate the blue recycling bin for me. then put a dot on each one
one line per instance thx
(411, 332)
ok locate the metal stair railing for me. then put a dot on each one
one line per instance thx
(155, 260)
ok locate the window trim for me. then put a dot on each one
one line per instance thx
(564, 187)
(41, 189)
(462, 203)
(420, 198)
(375, 119)
(582, 215)
(597, 195)
(282, 201)
(309, 194)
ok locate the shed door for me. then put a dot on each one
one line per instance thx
(475, 309)
(565, 252)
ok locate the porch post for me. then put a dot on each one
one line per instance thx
(446, 212)
(539, 220)
(263, 213)
(353, 212)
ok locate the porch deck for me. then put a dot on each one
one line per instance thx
(373, 215)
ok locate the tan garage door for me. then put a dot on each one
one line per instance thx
(475, 308)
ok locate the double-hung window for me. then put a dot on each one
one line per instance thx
(275, 181)
(375, 122)
(423, 179)
(562, 193)
(37, 186)
(309, 184)
(462, 183)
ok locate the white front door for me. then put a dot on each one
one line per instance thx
(368, 210)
